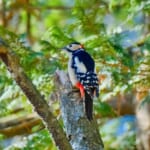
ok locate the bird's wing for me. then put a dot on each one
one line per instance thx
(83, 62)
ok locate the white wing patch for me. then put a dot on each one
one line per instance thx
(80, 66)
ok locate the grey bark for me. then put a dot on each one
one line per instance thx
(82, 133)
(143, 122)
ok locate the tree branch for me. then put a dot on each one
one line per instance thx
(83, 134)
(11, 126)
(3, 13)
(40, 105)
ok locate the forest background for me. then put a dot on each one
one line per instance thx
(115, 33)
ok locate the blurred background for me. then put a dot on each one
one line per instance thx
(115, 33)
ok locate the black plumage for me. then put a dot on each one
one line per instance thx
(89, 78)
(81, 69)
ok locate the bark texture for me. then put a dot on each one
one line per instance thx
(40, 105)
(82, 133)
(143, 121)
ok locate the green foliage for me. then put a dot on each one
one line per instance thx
(145, 101)
(56, 37)
(39, 141)
(114, 32)
(87, 18)
(104, 109)
(36, 141)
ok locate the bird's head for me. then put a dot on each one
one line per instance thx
(72, 47)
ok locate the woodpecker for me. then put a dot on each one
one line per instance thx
(81, 70)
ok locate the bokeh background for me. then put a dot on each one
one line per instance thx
(115, 33)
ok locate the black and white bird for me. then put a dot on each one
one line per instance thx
(81, 70)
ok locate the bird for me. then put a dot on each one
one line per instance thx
(81, 70)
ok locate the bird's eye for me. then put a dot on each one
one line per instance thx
(70, 45)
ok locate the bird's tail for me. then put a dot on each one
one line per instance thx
(88, 106)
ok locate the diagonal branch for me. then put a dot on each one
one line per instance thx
(40, 105)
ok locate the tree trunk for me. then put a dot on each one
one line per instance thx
(82, 133)
(143, 122)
